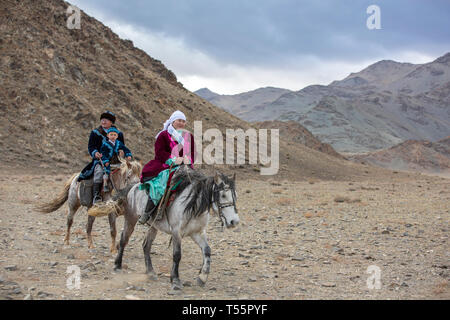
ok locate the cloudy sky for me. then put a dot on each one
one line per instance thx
(232, 46)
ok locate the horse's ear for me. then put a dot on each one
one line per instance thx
(217, 179)
(234, 176)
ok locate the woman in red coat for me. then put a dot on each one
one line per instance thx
(173, 146)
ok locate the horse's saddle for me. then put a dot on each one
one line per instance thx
(87, 192)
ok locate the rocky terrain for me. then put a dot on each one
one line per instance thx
(308, 239)
(383, 105)
(294, 133)
(412, 155)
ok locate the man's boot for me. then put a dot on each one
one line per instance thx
(105, 186)
(149, 209)
(96, 188)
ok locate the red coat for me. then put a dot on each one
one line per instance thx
(164, 149)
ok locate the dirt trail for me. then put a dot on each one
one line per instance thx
(295, 242)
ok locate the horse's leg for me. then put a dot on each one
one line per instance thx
(128, 228)
(147, 246)
(174, 277)
(112, 228)
(74, 204)
(200, 239)
(89, 225)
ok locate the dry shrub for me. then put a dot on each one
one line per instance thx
(440, 287)
(277, 191)
(315, 215)
(308, 215)
(284, 201)
(346, 199)
(57, 233)
(341, 199)
(321, 213)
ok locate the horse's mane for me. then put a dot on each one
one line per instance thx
(136, 166)
(201, 194)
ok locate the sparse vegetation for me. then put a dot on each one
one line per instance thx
(284, 201)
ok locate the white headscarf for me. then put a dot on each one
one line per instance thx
(168, 126)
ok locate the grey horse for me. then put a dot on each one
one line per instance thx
(187, 215)
(127, 174)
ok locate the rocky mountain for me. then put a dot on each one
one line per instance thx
(412, 155)
(383, 105)
(294, 133)
(207, 94)
(243, 103)
(55, 82)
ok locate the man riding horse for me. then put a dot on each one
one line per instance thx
(97, 137)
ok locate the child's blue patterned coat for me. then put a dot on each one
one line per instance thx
(108, 151)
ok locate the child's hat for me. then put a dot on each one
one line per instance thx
(113, 129)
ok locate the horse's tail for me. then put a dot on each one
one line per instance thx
(56, 203)
(115, 205)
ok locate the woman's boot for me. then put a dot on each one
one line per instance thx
(149, 209)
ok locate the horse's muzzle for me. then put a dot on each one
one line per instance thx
(233, 223)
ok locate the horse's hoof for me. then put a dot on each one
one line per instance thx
(200, 282)
(118, 269)
(152, 276)
(177, 285)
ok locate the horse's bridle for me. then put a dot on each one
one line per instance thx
(216, 199)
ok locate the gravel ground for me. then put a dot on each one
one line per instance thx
(297, 240)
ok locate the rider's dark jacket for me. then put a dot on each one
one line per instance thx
(96, 139)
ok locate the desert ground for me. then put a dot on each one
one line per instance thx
(308, 239)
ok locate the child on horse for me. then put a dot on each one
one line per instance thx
(110, 152)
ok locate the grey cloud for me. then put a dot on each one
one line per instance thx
(272, 31)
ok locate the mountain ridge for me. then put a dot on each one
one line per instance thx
(380, 106)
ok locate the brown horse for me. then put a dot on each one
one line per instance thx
(127, 174)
